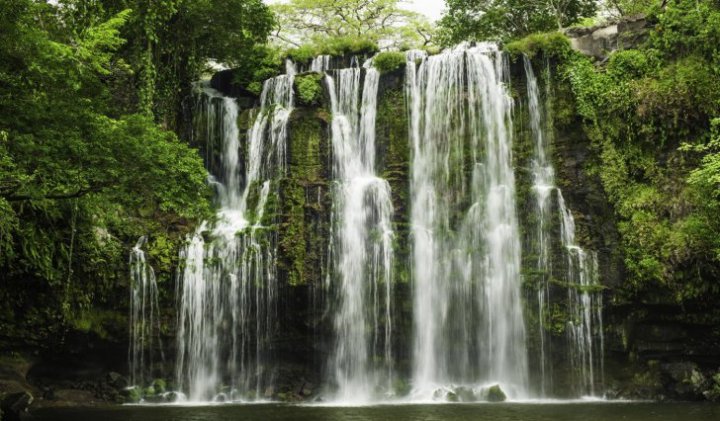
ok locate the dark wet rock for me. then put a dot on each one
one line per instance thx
(680, 371)
(172, 397)
(48, 393)
(117, 380)
(685, 380)
(148, 391)
(713, 391)
(159, 385)
(306, 390)
(496, 394)
(131, 394)
(224, 81)
(15, 404)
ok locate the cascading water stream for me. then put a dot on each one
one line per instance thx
(469, 329)
(543, 175)
(144, 316)
(584, 330)
(468, 317)
(227, 291)
(362, 241)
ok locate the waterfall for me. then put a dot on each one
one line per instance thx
(362, 236)
(144, 316)
(227, 286)
(543, 175)
(469, 326)
(584, 333)
(468, 313)
(320, 64)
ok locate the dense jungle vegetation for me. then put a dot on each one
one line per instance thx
(94, 146)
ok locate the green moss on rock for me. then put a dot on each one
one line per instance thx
(550, 44)
(303, 202)
(309, 89)
(393, 143)
(388, 61)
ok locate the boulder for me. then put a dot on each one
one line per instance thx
(713, 392)
(599, 41)
(131, 394)
(117, 380)
(14, 404)
(173, 397)
(680, 371)
(495, 394)
(684, 380)
(159, 385)
(306, 390)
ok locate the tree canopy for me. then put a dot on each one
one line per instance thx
(377, 20)
(503, 19)
(88, 91)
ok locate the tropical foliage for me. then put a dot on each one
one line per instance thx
(88, 90)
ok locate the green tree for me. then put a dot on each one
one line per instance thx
(377, 20)
(80, 179)
(652, 115)
(630, 7)
(504, 19)
(170, 43)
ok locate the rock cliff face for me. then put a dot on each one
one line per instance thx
(305, 208)
(600, 41)
(652, 350)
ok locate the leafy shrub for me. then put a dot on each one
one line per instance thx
(389, 61)
(303, 54)
(551, 44)
(686, 90)
(338, 46)
(631, 64)
(261, 64)
(309, 88)
(333, 46)
(639, 109)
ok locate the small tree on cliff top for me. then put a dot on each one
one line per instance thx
(377, 20)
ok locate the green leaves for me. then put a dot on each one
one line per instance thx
(389, 61)
(652, 115)
(374, 20)
(81, 174)
(480, 20)
(309, 89)
(97, 45)
(707, 175)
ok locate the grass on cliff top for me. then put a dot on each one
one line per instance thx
(334, 46)
(388, 61)
(550, 44)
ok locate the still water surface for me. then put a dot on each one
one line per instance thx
(603, 411)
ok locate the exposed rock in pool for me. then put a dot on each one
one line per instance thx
(495, 394)
(15, 404)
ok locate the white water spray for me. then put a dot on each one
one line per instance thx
(227, 292)
(469, 325)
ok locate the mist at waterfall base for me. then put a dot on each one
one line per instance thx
(469, 314)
